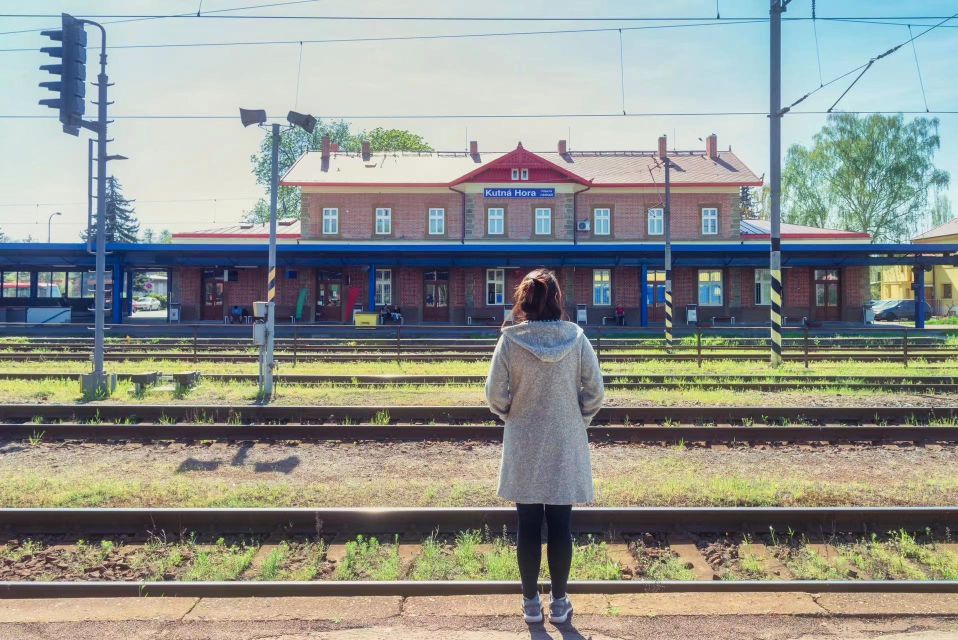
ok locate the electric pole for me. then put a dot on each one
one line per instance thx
(775, 175)
(667, 224)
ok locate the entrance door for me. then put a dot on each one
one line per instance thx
(655, 295)
(329, 296)
(435, 299)
(827, 297)
(212, 295)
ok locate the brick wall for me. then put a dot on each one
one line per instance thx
(410, 213)
(185, 289)
(855, 292)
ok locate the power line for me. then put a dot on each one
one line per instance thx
(921, 82)
(492, 116)
(181, 15)
(883, 55)
(492, 34)
(411, 18)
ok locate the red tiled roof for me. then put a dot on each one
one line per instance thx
(601, 168)
(760, 229)
(284, 229)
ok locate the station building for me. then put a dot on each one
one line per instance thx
(525, 199)
(445, 237)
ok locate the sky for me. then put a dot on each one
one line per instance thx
(188, 174)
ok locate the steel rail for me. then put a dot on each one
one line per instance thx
(423, 521)
(478, 433)
(688, 379)
(287, 356)
(311, 414)
(413, 588)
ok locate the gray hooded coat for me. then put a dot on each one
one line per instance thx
(546, 385)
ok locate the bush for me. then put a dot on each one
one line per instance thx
(161, 299)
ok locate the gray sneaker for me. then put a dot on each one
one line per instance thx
(532, 609)
(559, 610)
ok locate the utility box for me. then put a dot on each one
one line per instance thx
(361, 319)
(259, 334)
(175, 312)
(582, 314)
(691, 314)
(260, 310)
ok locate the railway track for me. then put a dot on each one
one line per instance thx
(732, 425)
(431, 415)
(632, 538)
(918, 384)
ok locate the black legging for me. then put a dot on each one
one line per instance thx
(529, 542)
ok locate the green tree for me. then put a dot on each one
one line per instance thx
(150, 237)
(754, 202)
(940, 211)
(121, 222)
(870, 174)
(295, 142)
(165, 237)
(4, 237)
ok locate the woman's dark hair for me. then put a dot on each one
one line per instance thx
(538, 297)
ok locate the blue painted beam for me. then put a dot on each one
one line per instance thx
(644, 296)
(371, 294)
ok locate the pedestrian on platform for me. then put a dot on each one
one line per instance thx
(545, 383)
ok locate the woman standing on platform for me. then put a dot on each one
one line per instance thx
(545, 383)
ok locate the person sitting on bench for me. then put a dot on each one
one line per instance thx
(237, 314)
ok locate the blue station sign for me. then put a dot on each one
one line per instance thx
(517, 192)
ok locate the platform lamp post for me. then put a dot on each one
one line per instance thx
(50, 224)
(307, 123)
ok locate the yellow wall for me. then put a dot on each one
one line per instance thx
(896, 284)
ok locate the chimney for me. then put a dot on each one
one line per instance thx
(334, 147)
(474, 149)
(711, 147)
(563, 148)
(663, 147)
(366, 153)
(324, 147)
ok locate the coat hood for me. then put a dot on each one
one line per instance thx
(548, 341)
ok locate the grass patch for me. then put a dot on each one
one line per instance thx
(368, 559)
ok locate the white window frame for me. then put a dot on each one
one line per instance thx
(515, 173)
(523, 174)
(500, 218)
(602, 287)
(496, 278)
(544, 215)
(383, 215)
(763, 287)
(384, 287)
(330, 221)
(710, 226)
(656, 215)
(711, 283)
(606, 218)
(437, 215)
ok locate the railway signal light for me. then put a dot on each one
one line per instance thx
(70, 85)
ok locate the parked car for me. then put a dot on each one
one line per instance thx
(146, 304)
(899, 310)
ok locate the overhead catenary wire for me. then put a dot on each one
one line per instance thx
(622, 71)
(884, 55)
(450, 36)
(921, 82)
(184, 15)
(818, 53)
(490, 116)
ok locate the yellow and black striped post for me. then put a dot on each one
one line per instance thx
(776, 310)
(266, 359)
(668, 310)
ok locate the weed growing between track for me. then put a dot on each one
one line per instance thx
(651, 366)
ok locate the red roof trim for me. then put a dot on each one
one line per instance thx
(661, 185)
(604, 185)
(508, 158)
(190, 234)
(838, 235)
(365, 184)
